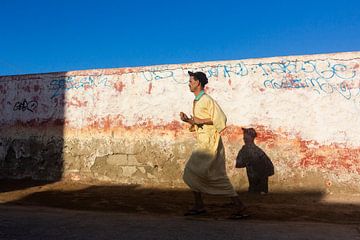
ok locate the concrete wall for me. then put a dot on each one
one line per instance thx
(122, 125)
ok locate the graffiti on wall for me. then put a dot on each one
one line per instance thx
(330, 76)
(25, 105)
(60, 85)
(323, 77)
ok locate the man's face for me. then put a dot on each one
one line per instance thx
(193, 84)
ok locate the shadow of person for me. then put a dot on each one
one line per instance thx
(258, 165)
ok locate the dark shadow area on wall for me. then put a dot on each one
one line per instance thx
(134, 199)
(31, 129)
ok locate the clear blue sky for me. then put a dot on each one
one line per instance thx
(61, 35)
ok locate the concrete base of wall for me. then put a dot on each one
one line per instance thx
(153, 157)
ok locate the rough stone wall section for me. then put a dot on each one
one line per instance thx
(122, 125)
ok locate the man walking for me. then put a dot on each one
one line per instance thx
(205, 171)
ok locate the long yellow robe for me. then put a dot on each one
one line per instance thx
(205, 170)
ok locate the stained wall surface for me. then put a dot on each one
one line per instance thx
(122, 125)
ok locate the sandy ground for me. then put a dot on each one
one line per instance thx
(36, 223)
(303, 206)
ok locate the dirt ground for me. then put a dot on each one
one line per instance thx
(276, 206)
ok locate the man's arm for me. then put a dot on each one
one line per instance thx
(199, 121)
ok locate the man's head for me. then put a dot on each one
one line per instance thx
(198, 80)
(249, 135)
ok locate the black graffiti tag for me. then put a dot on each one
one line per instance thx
(25, 106)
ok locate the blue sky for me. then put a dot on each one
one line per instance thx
(63, 35)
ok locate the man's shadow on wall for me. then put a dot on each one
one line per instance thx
(259, 166)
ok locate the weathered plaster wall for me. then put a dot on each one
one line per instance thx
(122, 125)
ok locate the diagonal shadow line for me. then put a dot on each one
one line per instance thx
(136, 199)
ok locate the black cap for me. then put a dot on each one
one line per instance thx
(250, 131)
(200, 76)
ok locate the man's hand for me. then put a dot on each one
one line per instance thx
(195, 120)
(187, 119)
(184, 117)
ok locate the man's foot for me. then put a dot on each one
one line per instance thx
(240, 213)
(229, 204)
(195, 212)
(236, 216)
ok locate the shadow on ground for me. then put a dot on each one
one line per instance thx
(10, 185)
(278, 206)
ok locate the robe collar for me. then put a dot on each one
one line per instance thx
(197, 98)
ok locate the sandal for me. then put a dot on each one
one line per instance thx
(195, 212)
(237, 216)
(240, 214)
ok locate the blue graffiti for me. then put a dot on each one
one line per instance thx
(293, 83)
(59, 86)
(293, 67)
(238, 69)
(279, 75)
(320, 85)
(227, 71)
(336, 70)
(157, 75)
(323, 77)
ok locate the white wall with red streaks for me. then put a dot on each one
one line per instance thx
(305, 109)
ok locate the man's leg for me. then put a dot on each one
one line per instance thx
(199, 204)
(238, 203)
(198, 207)
(240, 209)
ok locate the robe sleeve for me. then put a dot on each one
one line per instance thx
(217, 116)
